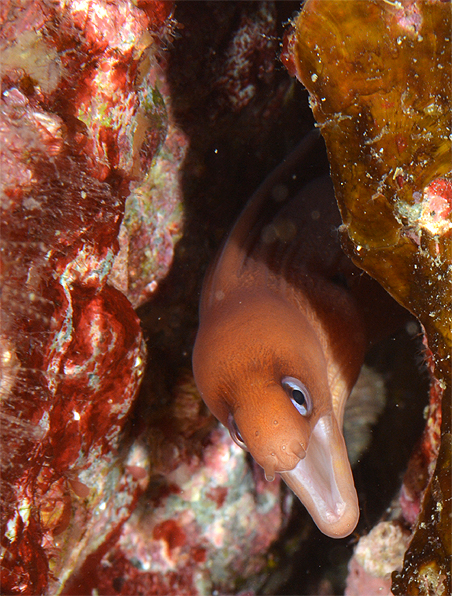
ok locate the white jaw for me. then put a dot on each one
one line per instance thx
(323, 481)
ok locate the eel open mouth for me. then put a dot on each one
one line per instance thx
(323, 481)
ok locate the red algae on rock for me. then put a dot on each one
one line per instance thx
(72, 352)
(379, 78)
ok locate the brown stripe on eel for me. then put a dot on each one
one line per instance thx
(281, 339)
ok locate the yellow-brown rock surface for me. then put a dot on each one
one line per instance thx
(379, 77)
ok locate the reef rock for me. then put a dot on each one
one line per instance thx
(74, 134)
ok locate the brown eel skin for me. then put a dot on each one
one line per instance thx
(282, 338)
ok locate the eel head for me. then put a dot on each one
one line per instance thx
(306, 447)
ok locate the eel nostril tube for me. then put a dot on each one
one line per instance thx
(297, 449)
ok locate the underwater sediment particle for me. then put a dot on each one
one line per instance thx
(379, 78)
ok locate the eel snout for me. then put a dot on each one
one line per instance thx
(275, 434)
(323, 480)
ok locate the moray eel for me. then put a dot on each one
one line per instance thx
(281, 340)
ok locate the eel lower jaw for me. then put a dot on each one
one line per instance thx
(323, 481)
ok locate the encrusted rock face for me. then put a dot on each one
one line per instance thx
(379, 78)
(375, 558)
(72, 354)
(190, 535)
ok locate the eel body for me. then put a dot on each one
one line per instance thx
(281, 340)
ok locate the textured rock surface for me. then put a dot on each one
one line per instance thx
(71, 347)
(375, 558)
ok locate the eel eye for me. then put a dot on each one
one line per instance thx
(298, 394)
(235, 434)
